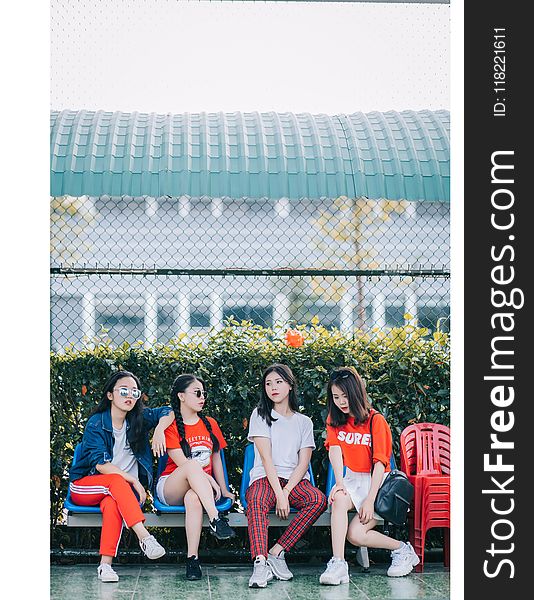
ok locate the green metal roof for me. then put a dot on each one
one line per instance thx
(393, 155)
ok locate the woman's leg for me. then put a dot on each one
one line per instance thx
(193, 521)
(260, 500)
(311, 503)
(111, 529)
(117, 501)
(339, 522)
(364, 535)
(190, 476)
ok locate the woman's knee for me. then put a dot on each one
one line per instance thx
(341, 503)
(256, 506)
(116, 480)
(192, 467)
(192, 501)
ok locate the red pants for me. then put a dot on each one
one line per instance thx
(261, 499)
(117, 501)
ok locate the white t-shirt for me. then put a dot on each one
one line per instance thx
(288, 435)
(123, 457)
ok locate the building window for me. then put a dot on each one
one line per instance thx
(259, 315)
(395, 315)
(429, 316)
(328, 315)
(166, 323)
(123, 323)
(200, 317)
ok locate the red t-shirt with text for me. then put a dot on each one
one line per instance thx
(355, 443)
(199, 439)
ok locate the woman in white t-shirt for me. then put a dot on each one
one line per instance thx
(283, 443)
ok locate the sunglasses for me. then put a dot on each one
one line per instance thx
(199, 393)
(124, 391)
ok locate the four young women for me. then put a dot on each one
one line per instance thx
(115, 465)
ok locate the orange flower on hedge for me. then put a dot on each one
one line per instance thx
(294, 338)
(84, 390)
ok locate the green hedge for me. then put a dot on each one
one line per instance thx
(407, 375)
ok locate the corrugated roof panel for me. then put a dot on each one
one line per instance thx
(394, 155)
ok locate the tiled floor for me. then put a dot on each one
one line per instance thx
(167, 582)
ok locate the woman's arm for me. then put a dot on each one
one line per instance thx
(159, 446)
(218, 473)
(367, 508)
(335, 456)
(178, 456)
(109, 468)
(263, 445)
(300, 469)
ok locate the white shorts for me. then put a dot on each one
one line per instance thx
(357, 485)
(159, 490)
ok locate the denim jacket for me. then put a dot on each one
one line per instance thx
(98, 440)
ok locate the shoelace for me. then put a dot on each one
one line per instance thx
(332, 564)
(105, 568)
(396, 558)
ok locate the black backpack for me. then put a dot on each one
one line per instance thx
(395, 495)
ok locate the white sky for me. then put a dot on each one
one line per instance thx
(189, 56)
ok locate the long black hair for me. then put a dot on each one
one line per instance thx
(265, 404)
(348, 381)
(137, 437)
(181, 383)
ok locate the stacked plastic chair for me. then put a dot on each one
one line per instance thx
(425, 458)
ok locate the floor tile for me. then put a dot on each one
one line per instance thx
(380, 586)
(155, 581)
(81, 581)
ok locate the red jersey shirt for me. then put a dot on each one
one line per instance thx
(355, 443)
(199, 439)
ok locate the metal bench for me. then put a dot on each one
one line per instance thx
(174, 516)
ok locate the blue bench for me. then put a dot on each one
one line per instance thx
(223, 504)
(174, 516)
(75, 510)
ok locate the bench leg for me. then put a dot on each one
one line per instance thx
(362, 557)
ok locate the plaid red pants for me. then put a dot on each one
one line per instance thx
(308, 500)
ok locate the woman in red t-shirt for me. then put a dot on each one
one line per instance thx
(194, 473)
(348, 441)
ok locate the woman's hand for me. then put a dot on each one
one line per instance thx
(228, 494)
(337, 488)
(159, 446)
(282, 504)
(367, 511)
(141, 492)
(216, 488)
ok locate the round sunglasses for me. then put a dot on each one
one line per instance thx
(124, 391)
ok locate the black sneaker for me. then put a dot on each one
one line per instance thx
(220, 529)
(193, 571)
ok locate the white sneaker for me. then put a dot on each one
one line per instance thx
(403, 561)
(279, 566)
(106, 573)
(261, 575)
(151, 547)
(337, 571)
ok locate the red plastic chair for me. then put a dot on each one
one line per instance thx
(425, 458)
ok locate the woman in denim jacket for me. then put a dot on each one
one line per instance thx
(115, 465)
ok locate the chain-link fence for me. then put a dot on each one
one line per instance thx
(151, 269)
